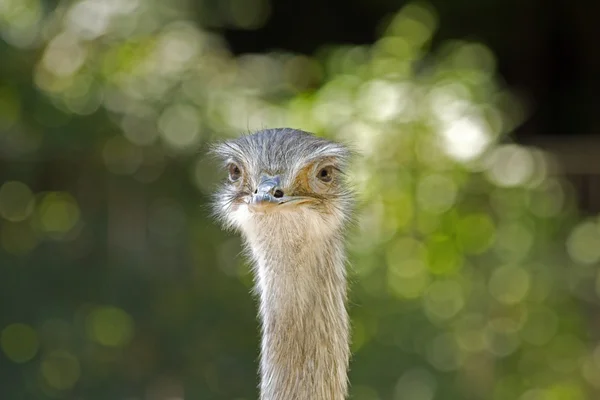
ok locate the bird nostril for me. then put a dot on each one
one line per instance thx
(278, 194)
(255, 191)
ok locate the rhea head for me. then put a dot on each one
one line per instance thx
(283, 181)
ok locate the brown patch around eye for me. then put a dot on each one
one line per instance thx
(315, 179)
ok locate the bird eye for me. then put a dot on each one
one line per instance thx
(234, 172)
(325, 174)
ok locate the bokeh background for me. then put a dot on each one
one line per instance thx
(475, 254)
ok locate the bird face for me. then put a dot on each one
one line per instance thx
(282, 174)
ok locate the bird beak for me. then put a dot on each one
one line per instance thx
(269, 193)
(266, 191)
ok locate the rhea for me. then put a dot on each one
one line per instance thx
(287, 195)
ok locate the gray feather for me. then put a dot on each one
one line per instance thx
(298, 257)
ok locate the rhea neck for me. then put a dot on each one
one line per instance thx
(300, 277)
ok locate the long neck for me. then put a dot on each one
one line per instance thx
(305, 343)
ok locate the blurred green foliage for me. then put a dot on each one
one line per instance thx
(472, 276)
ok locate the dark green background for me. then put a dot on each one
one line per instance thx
(473, 276)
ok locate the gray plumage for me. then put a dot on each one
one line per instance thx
(287, 195)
